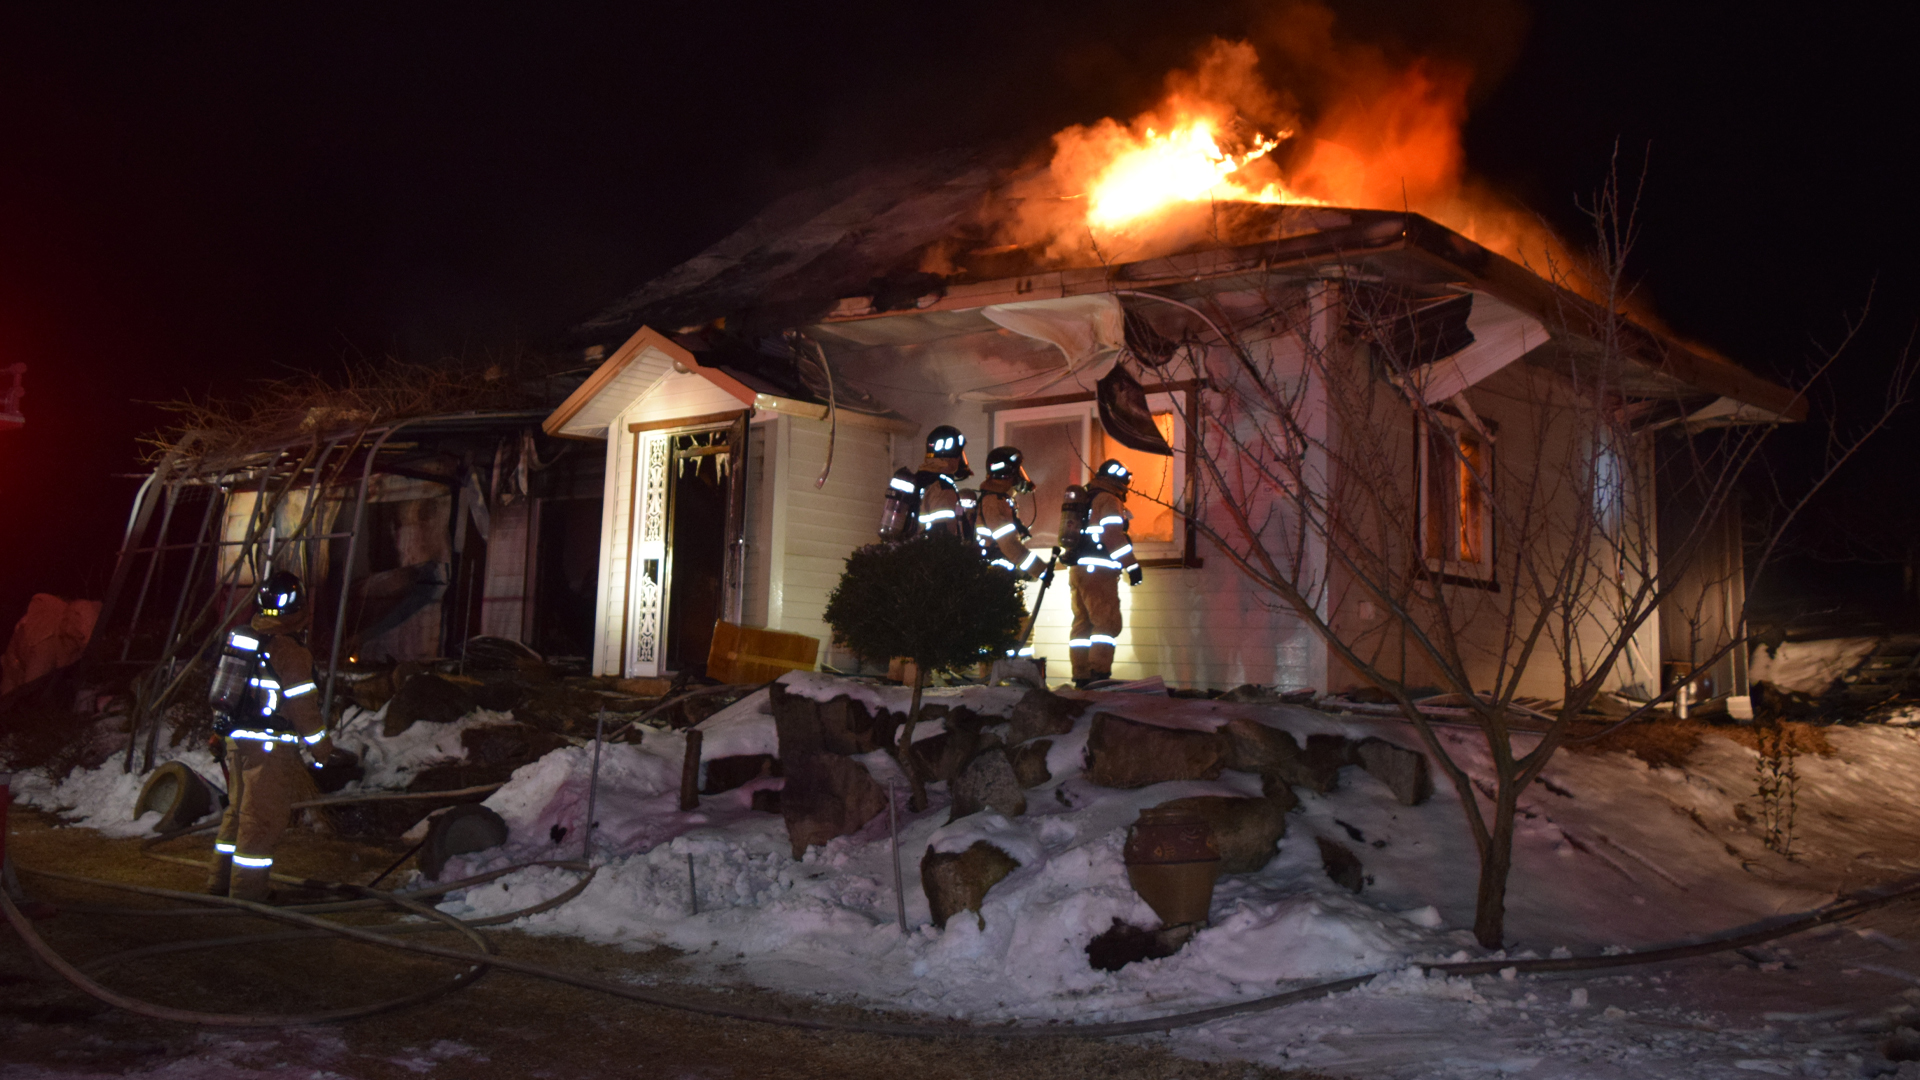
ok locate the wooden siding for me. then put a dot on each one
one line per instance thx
(817, 528)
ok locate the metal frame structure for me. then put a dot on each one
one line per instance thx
(273, 472)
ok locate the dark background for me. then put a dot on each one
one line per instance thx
(191, 199)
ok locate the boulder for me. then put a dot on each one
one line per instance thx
(1041, 713)
(727, 773)
(987, 782)
(1321, 762)
(945, 754)
(1029, 760)
(825, 796)
(1252, 746)
(1123, 943)
(1279, 792)
(426, 698)
(1402, 770)
(957, 881)
(765, 800)
(839, 726)
(1125, 754)
(1342, 865)
(1248, 831)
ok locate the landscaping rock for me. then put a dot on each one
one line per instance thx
(1321, 762)
(426, 698)
(1252, 746)
(1042, 713)
(1257, 694)
(1029, 761)
(987, 782)
(1123, 943)
(839, 726)
(1125, 754)
(1342, 865)
(1279, 792)
(1402, 770)
(766, 800)
(1247, 831)
(727, 773)
(825, 796)
(957, 881)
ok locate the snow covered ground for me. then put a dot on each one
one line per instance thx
(1609, 852)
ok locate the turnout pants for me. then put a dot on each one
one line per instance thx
(1096, 621)
(262, 786)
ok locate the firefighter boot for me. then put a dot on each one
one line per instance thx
(220, 878)
(252, 883)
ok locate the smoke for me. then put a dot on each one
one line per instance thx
(1369, 105)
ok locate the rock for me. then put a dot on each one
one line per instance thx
(945, 754)
(1369, 695)
(1029, 762)
(1123, 943)
(1402, 770)
(1125, 754)
(825, 796)
(1902, 1045)
(1321, 762)
(426, 698)
(987, 783)
(957, 881)
(1256, 748)
(508, 744)
(500, 694)
(839, 726)
(1247, 831)
(1279, 792)
(727, 773)
(1342, 865)
(1041, 713)
(766, 800)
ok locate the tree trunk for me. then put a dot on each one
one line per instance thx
(909, 759)
(1490, 906)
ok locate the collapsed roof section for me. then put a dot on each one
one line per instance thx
(859, 252)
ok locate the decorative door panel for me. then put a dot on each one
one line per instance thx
(646, 633)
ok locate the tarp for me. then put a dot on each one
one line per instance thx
(51, 635)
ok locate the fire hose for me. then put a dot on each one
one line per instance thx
(486, 959)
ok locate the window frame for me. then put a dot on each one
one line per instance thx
(1481, 573)
(1182, 552)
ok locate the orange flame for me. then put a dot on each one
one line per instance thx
(1182, 166)
(1356, 129)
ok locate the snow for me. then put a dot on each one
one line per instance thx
(391, 762)
(103, 798)
(1609, 853)
(1809, 667)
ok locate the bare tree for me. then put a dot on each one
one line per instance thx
(1501, 544)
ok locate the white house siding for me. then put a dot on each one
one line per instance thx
(815, 529)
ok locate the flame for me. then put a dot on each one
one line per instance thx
(1184, 165)
(1351, 126)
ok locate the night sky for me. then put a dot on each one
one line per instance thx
(192, 198)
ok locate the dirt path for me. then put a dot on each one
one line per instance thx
(505, 1026)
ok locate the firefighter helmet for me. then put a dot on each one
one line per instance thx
(1112, 476)
(946, 445)
(1009, 464)
(281, 595)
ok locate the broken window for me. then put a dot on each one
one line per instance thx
(1456, 499)
(1064, 442)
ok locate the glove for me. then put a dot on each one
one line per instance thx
(1133, 574)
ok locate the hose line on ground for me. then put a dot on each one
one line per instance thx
(1844, 908)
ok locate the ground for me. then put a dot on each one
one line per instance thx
(1640, 840)
(504, 1027)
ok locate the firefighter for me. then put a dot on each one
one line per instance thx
(927, 501)
(265, 701)
(1103, 552)
(999, 530)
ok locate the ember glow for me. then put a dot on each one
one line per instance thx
(1183, 165)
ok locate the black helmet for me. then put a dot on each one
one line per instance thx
(280, 595)
(1008, 463)
(1113, 475)
(945, 443)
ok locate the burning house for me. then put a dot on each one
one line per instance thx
(813, 348)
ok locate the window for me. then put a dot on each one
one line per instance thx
(1456, 504)
(1063, 442)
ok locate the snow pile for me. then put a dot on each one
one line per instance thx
(103, 798)
(1809, 667)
